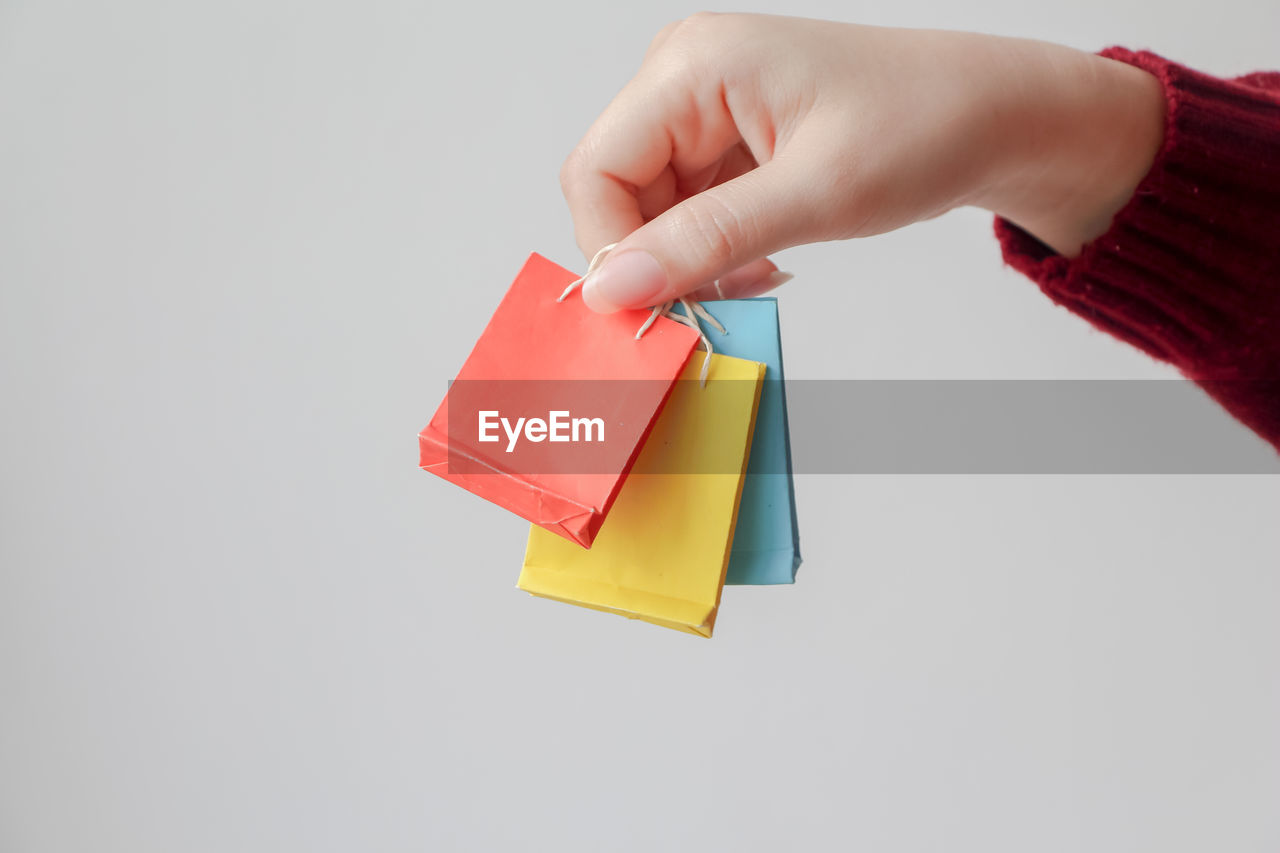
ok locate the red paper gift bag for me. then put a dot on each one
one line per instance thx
(554, 364)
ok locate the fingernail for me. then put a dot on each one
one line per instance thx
(632, 278)
(766, 284)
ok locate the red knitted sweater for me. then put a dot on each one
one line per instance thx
(1189, 271)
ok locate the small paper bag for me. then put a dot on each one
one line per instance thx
(540, 359)
(662, 553)
(766, 544)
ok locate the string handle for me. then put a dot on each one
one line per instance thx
(596, 260)
(693, 312)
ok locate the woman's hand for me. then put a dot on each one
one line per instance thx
(745, 134)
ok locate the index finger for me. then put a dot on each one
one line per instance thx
(626, 148)
(671, 114)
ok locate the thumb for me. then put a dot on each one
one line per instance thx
(705, 237)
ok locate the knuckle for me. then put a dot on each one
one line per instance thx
(661, 38)
(572, 169)
(701, 18)
(697, 45)
(712, 231)
(693, 28)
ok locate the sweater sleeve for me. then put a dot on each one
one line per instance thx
(1189, 271)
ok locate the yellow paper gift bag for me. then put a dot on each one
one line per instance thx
(662, 551)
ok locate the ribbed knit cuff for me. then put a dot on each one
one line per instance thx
(1189, 270)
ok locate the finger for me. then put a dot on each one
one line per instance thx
(603, 204)
(706, 237)
(661, 38)
(734, 162)
(657, 196)
(665, 118)
(732, 284)
(761, 286)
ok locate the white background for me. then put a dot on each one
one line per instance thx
(244, 245)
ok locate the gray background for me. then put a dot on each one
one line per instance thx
(243, 245)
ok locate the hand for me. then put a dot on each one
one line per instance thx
(745, 134)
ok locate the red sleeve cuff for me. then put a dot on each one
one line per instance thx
(1189, 271)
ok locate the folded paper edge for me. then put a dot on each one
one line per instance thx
(564, 516)
(761, 372)
(786, 437)
(704, 630)
(545, 582)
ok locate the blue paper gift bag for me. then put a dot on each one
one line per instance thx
(766, 541)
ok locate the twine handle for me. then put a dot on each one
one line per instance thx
(693, 312)
(596, 260)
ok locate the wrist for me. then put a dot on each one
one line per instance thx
(1079, 138)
